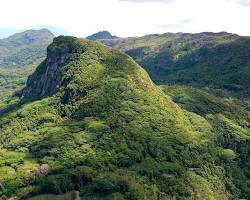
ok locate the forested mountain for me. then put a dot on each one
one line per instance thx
(24, 48)
(216, 60)
(19, 56)
(91, 119)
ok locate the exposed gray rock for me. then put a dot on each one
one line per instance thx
(46, 83)
(43, 170)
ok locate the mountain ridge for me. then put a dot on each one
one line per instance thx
(216, 60)
(101, 35)
(7, 32)
(118, 125)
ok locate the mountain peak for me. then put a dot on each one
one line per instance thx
(30, 36)
(101, 35)
(55, 30)
(68, 60)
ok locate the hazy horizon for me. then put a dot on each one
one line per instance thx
(126, 18)
(40, 27)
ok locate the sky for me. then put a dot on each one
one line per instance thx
(128, 17)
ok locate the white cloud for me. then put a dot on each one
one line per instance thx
(186, 21)
(150, 1)
(170, 26)
(177, 25)
(84, 17)
(244, 2)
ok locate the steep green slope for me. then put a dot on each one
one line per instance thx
(91, 119)
(230, 120)
(24, 48)
(217, 60)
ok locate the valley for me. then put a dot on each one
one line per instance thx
(215, 60)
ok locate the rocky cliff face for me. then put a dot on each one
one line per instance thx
(43, 82)
(46, 84)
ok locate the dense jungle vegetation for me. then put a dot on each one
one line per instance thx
(91, 119)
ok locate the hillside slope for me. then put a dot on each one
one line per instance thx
(24, 48)
(229, 118)
(91, 119)
(19, 55)
(216, 60)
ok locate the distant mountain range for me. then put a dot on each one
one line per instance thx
(217, 60)
(6, 32)
(102, 35)
(55, 30)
